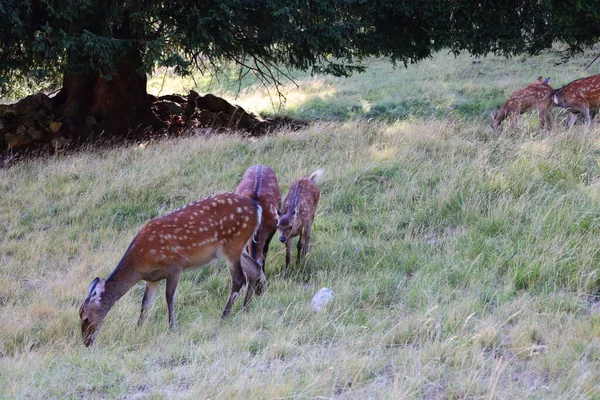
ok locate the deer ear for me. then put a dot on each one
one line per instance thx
(275, 211)
(539, 79)
(93, 285)
(96, 289)
(546, 80)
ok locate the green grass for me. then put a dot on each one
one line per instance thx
(465, 264)
(441, 87)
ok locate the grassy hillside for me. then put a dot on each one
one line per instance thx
(465, 264)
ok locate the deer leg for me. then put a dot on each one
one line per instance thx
(300, 245)
(543, 117)
(266, 250)
(572, 119)
(254, 275)
(238, 279)
(288, 253)
(253, 271)
(172, 283)
(148, 299)
(548, 119)
(586, 115)
(306, 240)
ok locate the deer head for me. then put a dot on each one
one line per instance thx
(92, 312)
(285, 223)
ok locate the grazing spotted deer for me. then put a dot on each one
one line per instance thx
(298, 214)
(538, 93)
(192, 236)
(578, 97)
(260, 184)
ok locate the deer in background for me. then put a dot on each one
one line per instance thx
(298, 214)
(192, 236)
(578, 97)
(538, 93)
(260, 184)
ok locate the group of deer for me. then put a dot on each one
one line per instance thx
(235, 226)
(578, 97)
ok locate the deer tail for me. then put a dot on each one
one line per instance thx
(315, 176)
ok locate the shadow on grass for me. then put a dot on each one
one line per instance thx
(334, 109)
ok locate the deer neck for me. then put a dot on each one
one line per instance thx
(503, 112)
(123, 278)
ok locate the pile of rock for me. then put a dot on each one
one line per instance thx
(28, 123)
(210, 111)
(36, 122)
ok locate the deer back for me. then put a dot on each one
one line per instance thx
(195, 234)
(301, 202)
(523, 99)
(260, 184)
(578, 92)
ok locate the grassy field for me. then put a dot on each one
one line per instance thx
(464, 264)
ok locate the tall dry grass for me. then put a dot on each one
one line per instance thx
(464, 264)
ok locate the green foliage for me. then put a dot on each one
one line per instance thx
(43, 39)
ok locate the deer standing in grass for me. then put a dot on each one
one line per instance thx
(578, 97)
(538, 94)
(298, 214)
(260, 184)
(219, 226)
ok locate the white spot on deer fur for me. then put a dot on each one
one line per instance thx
(229, 201)
(162, 257)
(244, 225)
(231, 216)
(152, 251)
(239, 210)
(246, 218)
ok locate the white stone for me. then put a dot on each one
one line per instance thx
(323, 296)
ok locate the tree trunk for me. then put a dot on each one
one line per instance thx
(118, 104)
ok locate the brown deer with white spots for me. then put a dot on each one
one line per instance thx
(260, 184)
(578, 97)
(296, 219)
(537, 94)
(216, 227)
